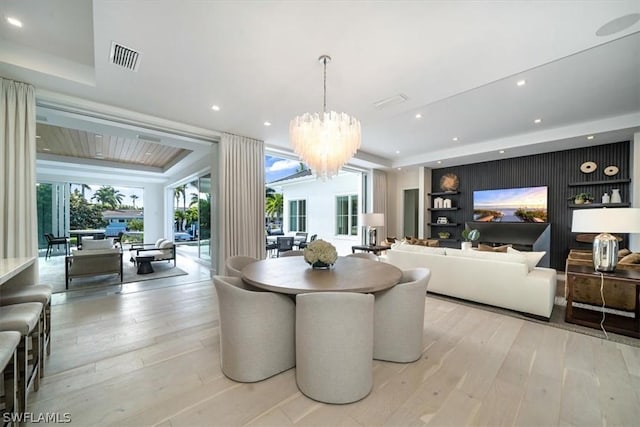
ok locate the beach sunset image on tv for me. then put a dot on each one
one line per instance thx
(528, 204)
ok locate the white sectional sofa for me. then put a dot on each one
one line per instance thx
(508, 280)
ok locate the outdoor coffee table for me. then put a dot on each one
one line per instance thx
(144, 264)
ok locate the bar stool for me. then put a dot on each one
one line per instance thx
(25, 319)
(9, 341)
(33, 293)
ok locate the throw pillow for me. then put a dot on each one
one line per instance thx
(533, 258)
(487, 248)
(633, 258)
(433, 242)
(89, 244)
(391, 240)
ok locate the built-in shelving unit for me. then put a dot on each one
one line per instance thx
(599, 205)
(451, 227)
(603, 182)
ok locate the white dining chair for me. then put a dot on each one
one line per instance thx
(334, 345)
(399, 318)
(365, 255)
(235, 264)
(257, 331)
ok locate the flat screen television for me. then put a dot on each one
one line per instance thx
(527, 204)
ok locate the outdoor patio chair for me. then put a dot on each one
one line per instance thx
(284, 244)
(270, 247)
(305, 243)
(301, 238)
(57, 241)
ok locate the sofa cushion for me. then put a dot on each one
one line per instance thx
(623, 253)
(88, 244)
(400, 246)
(533, 258)
(488, 248)
(633, 258)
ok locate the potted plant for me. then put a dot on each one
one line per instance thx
(468, 237)
(581, 198)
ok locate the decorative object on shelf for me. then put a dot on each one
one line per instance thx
(371, 221)
(606, 199)
(581, 198)
(611, 170)
(446, 203)
(615, 195)
(320, 254)
(438, 202)
(449, 182)
(468, 237)
(442, 220)
(325, 141)
(588, 167)
(605, 221)
(444, 235)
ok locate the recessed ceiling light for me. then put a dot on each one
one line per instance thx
(537, 121)
(590, 137)
(454, 139)
(521, 82)
(38, 137)
(215, 108)
(267, 123)
(397, 151)
(46, 149)
(399, 169)
(439, 162)
(15, 22)
(418, 116)
(501, 151)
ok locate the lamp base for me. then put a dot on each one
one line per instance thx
(605, 252)
(373, 236)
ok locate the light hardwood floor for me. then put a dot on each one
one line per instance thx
(152, 358)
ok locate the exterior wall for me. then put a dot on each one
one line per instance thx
(320, 198)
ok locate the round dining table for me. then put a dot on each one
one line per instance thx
(292, 275)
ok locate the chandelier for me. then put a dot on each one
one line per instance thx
(325, 141)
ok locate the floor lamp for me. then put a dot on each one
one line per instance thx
(606, 221)
(371, 221)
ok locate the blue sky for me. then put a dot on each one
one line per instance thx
(276, 168)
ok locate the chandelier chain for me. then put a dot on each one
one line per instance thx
(324, 105)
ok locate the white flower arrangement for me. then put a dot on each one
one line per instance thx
(320, 251)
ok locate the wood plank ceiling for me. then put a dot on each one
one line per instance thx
(86, 145)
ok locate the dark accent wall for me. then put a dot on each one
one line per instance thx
(555, 170)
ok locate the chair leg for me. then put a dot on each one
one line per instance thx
(23, 370)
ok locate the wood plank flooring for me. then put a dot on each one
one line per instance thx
(152, 358)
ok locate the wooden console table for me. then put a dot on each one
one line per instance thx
(613, 322)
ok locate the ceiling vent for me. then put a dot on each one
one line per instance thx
(388, 102)
(124, 56)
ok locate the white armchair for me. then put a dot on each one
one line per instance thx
(235, 264)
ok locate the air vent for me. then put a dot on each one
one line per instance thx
(393, 100)
(124, 56)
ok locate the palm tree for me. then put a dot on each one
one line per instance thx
(108, 196)
(274, 205)
(269, 192)
(134, 198)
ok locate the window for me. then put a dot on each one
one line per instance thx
(297, 215)
(347, 215)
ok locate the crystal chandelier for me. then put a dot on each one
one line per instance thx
(325, 141)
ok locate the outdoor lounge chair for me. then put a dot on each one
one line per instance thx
(57, 241)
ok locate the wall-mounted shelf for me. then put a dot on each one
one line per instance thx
(443, 209)
(599, 205)
(449, 224)
(603, 182)
(444, 193)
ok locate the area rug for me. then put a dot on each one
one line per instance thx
(556, 321)
(54, 275)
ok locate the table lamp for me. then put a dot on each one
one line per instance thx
(605, 221)
(371, 221)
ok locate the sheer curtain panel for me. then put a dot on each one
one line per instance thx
(18, 213)
(241, 192)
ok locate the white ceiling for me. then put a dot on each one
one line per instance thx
(457, 62)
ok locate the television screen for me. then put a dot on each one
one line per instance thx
(528, 204)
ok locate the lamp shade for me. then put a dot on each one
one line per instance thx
(606, 220)
(373, 219)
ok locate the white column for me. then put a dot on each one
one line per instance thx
(634, 156)
(154, 213)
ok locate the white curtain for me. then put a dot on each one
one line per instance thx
(241, 192)
(18, 211)
(379, 199)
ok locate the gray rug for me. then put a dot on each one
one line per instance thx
(53, 274)
(556, 321)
